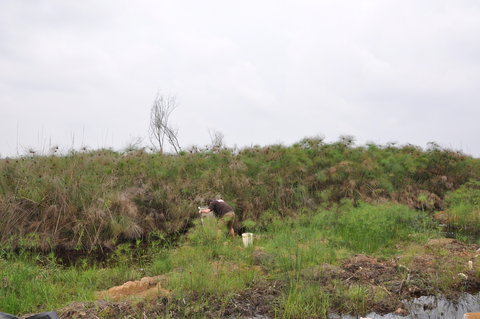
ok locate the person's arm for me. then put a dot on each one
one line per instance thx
(207, 210)
(204, 211)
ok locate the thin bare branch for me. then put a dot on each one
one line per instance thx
(160, 131)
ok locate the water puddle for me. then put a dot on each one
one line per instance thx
(428, 307)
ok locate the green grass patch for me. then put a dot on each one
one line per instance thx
(303, 300)
(464, 211)
(208, 266)
(29, 284)
(209, 262)
(371, 228)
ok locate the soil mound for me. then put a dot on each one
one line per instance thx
(258, 301)
(361, 268)
(147, 287)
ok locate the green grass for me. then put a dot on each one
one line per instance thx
(463, 211)
(209, 262)
(369, 229)
(304, 301)
(208, 265)
(30, 284)
(325, 236)
(329, 236)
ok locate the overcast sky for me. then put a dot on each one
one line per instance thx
(85, 73)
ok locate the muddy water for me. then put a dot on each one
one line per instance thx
(432, 308)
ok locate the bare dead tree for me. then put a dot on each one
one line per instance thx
(217, 140)
(160, 130)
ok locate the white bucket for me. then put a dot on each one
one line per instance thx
(247, 239)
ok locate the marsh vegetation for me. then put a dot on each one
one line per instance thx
(338, 228)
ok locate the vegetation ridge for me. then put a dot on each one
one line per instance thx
(95, 200)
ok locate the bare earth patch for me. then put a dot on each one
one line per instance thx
(147, 287)
(95, 310)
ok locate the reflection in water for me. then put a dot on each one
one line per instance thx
(427, 307)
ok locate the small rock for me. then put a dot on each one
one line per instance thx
(463, 276)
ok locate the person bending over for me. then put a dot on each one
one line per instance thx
(223, 211)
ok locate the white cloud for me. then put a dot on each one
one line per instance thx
(260, 72)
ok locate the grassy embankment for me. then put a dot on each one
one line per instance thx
(288, 195)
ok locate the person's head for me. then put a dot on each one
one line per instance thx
(210, 201)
